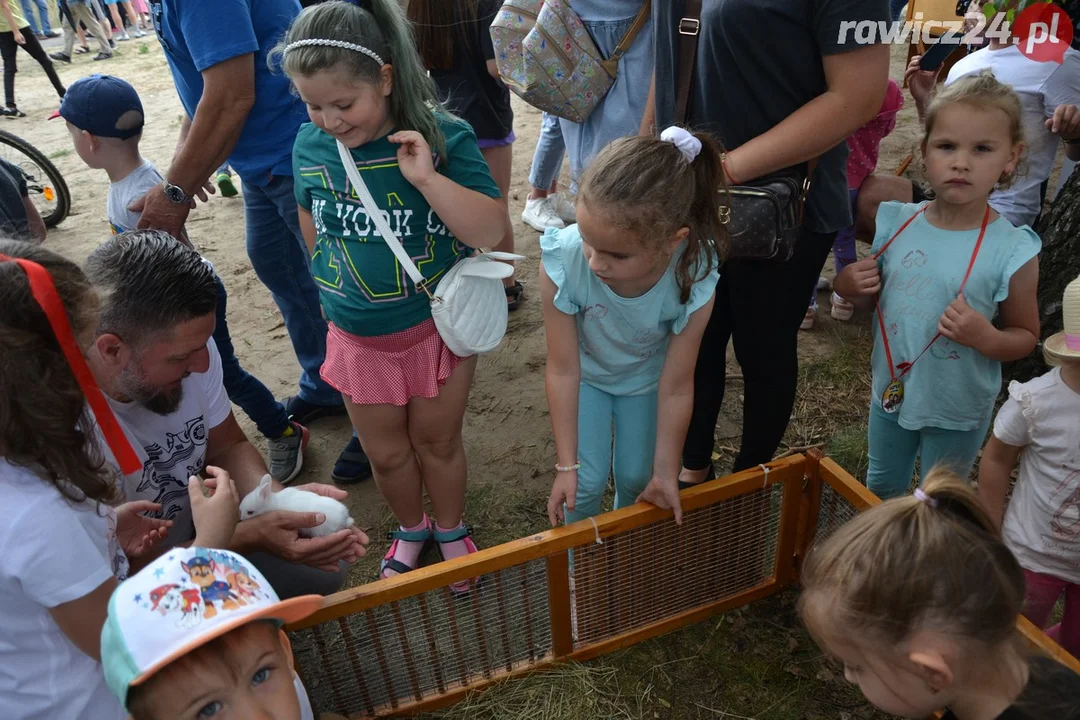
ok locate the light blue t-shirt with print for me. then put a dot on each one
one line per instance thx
(952, 386)
(622, 341)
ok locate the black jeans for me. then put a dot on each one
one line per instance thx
(760, 305)
(8, 47)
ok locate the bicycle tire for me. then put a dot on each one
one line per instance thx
(59, 186)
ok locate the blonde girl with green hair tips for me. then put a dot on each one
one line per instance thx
(357, 69)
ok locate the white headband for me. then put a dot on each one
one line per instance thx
(688, 145)
(320, 42)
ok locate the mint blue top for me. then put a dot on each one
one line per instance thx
(622, 341)
(198, 34)
(952, 387)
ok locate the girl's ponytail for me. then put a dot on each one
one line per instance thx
(381, 26)
(707, 242)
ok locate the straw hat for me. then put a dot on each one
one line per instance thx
(1066, 345)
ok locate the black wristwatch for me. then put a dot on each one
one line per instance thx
(175, 193)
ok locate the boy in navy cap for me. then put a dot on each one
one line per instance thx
(105, 118)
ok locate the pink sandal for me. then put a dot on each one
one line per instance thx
(389, 562)
(464, 533)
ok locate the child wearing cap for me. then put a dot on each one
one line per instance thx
(105, 118)
(1038, 424)
(197, 634)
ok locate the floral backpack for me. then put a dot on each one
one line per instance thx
(547, 58)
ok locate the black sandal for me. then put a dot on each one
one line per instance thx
(711, 475)
(514, 295)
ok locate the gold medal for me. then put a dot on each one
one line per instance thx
(893, 397)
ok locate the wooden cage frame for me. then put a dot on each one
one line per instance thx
(800, 482)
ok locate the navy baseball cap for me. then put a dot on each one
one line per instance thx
(97, 103)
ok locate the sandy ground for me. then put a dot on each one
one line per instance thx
(507, 431)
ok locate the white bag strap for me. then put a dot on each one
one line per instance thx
(381, 224)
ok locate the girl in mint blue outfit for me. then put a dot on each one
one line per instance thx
(627, 293)
(941, 271)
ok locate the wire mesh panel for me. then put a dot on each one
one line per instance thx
(655, 572)
(835, 510)
(406, 650)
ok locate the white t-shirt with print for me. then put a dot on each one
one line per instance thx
(1042, 86)
(52, 552)
(1042, 523)
(173, 447)
(126, 191)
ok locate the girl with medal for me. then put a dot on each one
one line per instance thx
(940, 272)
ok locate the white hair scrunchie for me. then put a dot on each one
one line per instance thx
(688, 145)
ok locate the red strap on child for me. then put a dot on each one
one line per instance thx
(44, 292)
(905, 367)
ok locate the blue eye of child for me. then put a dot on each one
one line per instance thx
(260, 676)
(210, 709)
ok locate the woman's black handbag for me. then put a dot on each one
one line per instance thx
(763, 218)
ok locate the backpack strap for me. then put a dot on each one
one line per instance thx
(611, 65)
(689, 29)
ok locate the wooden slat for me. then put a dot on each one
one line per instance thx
(384, 668)
(845, 485)
(488, 560)
(328, 668)
(455, 637)
(504, 628)
(1042, 642)
(433, 645)
(406, 650)
(809, 507)
(790, 507)
(473, 599)
(558, 581)
(530, 641)
(354, 663)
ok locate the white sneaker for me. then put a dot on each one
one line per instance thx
(123, 36)
(564, 208)
(822, 283)
(540, 214)
(841, 310)
(808, 319)
(140, 33)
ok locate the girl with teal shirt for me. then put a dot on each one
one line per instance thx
(356, 68)
(940, 272)
(627, 293)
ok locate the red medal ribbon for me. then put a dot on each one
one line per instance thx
(44, 292)
(905, 367)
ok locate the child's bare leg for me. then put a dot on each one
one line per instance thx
(384, 429)
(132, 15)
(114, 11)
(435, 433)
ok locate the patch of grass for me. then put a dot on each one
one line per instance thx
(754, 663)
(60, 153)
(144, 49)
(848, 448)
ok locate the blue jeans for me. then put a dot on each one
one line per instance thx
(633, 418)
(38, 28)
(247, 391)
(281, 262)
(620, 112)
(548, 156)
(893, 450)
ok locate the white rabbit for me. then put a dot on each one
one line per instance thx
(263, 500)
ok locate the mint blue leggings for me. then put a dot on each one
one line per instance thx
(893, 450)
(623, 427)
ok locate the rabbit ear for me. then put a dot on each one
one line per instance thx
(264, 489)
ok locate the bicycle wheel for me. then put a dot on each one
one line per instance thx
(46, 185)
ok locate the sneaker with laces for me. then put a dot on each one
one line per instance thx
(103, 56)
(286, 453)
(841, 310)
(140, 33)
(61, 57)
(564, 208)
(539, 214)
(123, 36)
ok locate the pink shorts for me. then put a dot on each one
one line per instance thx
(388, 369)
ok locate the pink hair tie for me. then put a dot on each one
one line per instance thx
(923, 497)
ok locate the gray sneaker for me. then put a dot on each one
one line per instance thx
(287, 454)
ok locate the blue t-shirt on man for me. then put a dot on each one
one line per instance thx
(198, 34)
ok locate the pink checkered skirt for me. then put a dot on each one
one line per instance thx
(388, 369)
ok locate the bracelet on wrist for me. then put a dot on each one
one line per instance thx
(568, 468)
(727, 173)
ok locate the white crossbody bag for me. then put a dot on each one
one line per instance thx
(469, 302)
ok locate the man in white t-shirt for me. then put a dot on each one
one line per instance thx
(1049, 95)
(156, 362)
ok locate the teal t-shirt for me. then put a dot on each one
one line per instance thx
(622, 341)
(952, 386)
(363, 288)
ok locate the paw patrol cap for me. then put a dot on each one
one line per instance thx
(180, 602)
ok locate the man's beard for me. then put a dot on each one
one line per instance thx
(156, 400)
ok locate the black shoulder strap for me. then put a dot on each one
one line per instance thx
(689, 29)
